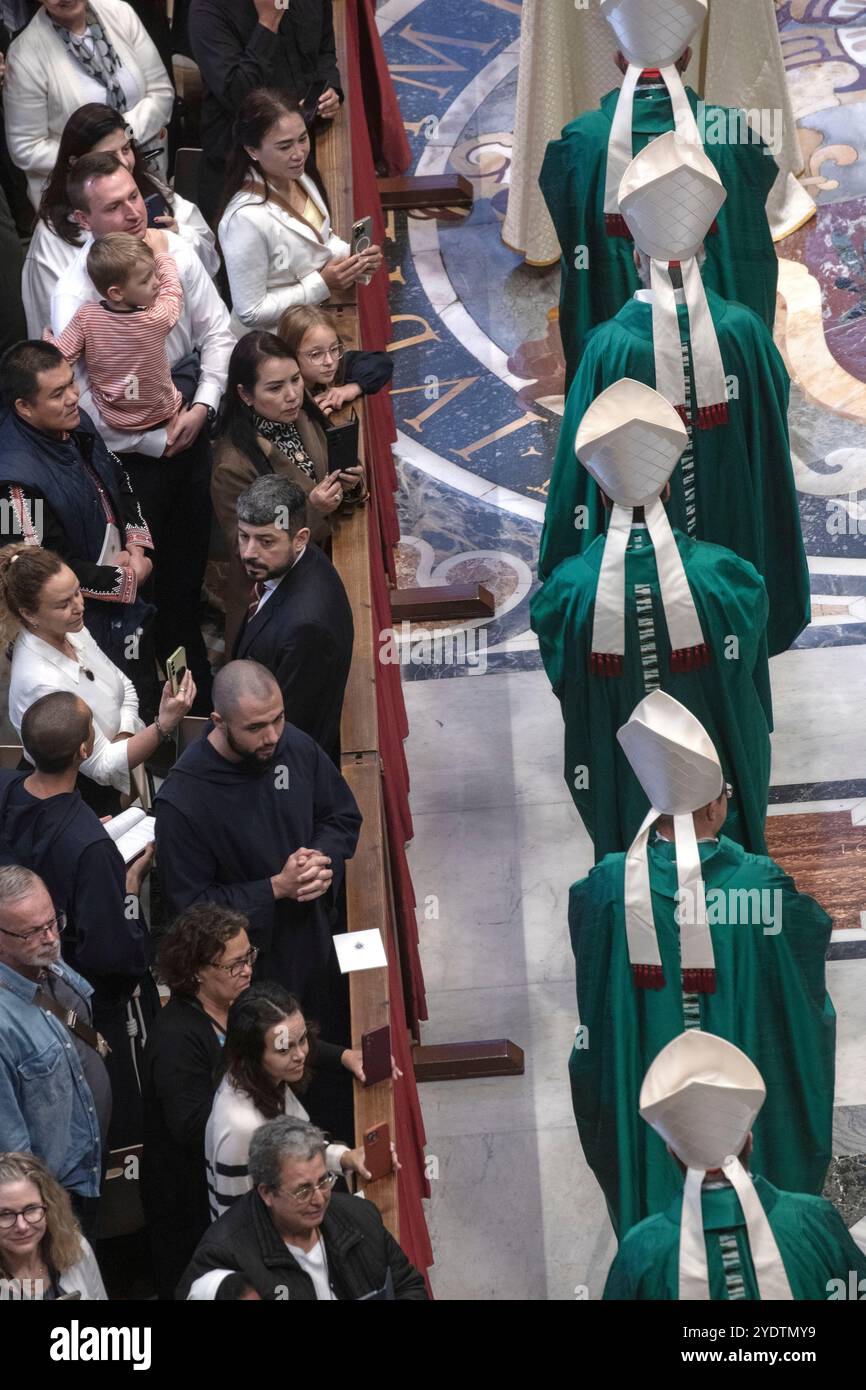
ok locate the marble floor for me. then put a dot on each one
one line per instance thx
(477, 394)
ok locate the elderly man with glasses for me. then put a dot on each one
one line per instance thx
(292, 1239)
(55, 1096)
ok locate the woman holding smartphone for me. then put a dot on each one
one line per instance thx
(275, 231)
(266, 426)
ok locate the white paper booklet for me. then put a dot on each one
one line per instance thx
(132, 831)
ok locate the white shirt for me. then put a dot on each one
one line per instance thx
(203, 324)
(231, 1125)
(315, 1263)
(271, 584)
(272, 259)
(39, 669)
(48, 256)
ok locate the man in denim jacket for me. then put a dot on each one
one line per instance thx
(55, 1096)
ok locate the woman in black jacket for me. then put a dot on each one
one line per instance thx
(207, 961)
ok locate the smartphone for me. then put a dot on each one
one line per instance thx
(377, 1152)
(310, 103)
(376, 1055)
(156, 207)
(175, 668)
(362, 235)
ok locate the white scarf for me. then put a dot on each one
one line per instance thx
(711, 398)
(694, 1281)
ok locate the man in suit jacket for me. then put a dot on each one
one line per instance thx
(300, 622)
(242, 44)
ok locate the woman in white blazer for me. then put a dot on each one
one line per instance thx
(275, 233)
(57, 237)
(54, 651)
(43, 1254)
(73, 52)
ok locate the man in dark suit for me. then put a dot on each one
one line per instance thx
(243, 44)
(300, 623)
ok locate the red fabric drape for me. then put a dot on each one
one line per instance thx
(412, 1184)
(373, 310)
(380, 136)
(388, 140)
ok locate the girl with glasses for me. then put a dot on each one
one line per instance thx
(334, 376)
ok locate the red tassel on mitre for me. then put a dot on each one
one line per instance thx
(616, 225)
(690, 658)
(711, 415)
(605, 664)
(699, 981)
(647, 977)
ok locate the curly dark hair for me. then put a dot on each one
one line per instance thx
(195, 939)
(250, 1017)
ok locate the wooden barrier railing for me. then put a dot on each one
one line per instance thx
(367, 885)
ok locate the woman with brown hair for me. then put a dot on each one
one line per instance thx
(265, 426)
(41, 600)
(43, 1254)
(333, 376)
(275, 230)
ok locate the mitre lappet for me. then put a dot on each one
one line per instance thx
(702, 1096)
(652, 34)
(675, 762)
(630, 441)
(669, 196)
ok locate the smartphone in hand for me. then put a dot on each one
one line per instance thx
(175, 668)
(377, 1152)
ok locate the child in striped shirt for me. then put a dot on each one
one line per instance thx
(123, 337)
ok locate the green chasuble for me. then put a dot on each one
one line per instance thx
(598, 273)
(731, 696)
(734, 484)
(770, 1001)
(816, 1249)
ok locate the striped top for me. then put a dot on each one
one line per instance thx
(125, 354)
(233, 1121)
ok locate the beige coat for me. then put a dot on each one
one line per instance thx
(233, 473)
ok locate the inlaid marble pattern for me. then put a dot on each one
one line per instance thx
(826, 857)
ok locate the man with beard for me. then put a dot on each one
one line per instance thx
(299, 624)
(256, 817)
(55, 1096)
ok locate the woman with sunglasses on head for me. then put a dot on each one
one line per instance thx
(57, 237)
(207, 961)
(267, 1066)
(333, 376)
(43, 1254)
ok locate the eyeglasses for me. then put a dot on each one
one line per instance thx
(57, 924)
(238, 967)
(32, 1215)
(304, 1194)
(317, 355)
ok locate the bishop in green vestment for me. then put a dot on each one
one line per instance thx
(734, 484)
(598, 271)
(730, 696)
(821, 1260)
(769, 943)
